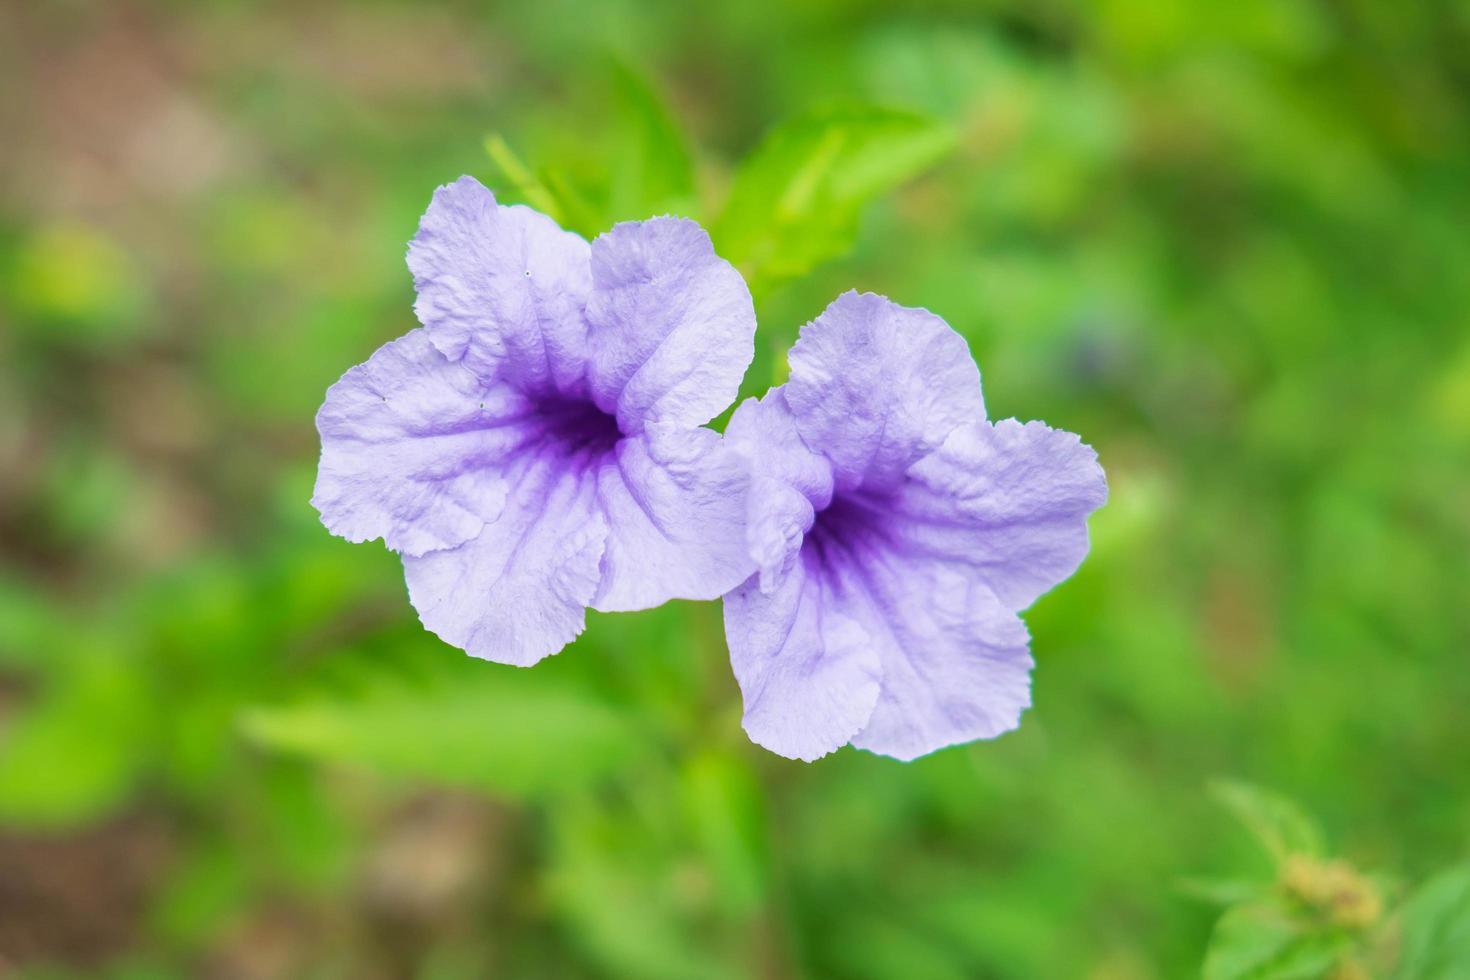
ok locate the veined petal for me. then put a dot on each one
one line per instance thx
(672, 325)
(502, 289)
(414, 449)
(518, 591)
(808, 670)
(673, 498)
(956, 664)
(876, 386)
(1008, 500)
(789, 482)
(932, 529)
(896, 655)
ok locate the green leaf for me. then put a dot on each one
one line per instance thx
(618, 878)
(796, 200)
(76, 753)
(474, 724)
(1222, 891)
(1261, 941)
(548, 191)
(1279, 825)
(725, 808)
(1436, 929)
(580, 215)
(525, 183)
(654, 172)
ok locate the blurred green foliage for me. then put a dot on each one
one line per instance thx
(1227, 243)
(1319, 917)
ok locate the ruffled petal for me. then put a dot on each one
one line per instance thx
(518, 591)
(674, 501)
(808, 670)
(414, 449)
(672, 325)
(955, 661)
(1008, 500)
(876, 386)
(502, 289)
(789, 483)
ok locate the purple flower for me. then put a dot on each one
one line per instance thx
(896, 534)
(537, 447)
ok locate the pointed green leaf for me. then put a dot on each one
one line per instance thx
(1436, 929)
(525, 183)
(1261, 941)
(1279, 825)
(654, 172)
(796, 200)
(487, 726)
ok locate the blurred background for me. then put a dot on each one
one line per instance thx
(1226, 243)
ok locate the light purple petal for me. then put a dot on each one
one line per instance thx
(931, 530)
(518, 592)
(502, 288)
(898, 655)
(875, 386)
(535, 448)
(672, 324)
(808, 671)
(955, 661)
(789, 482)
(414, 449)
(1008, 500)
(674, 501)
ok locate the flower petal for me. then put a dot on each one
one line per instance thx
(518, 591)
(502, 288)
(413, 449)
(672, 326)
(808, 670)
(789, 482)
(875, 386)
(955, 661)
(674, 501)
(1007, 499)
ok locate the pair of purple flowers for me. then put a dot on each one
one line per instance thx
(539, 446)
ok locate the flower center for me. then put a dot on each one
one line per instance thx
(852, 524)
(577, 427)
